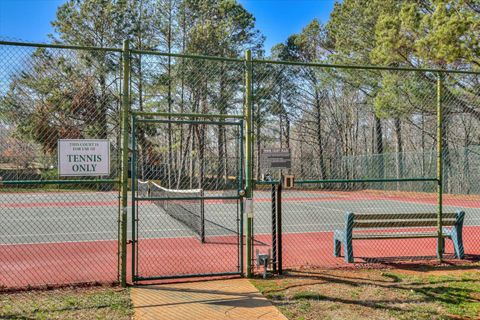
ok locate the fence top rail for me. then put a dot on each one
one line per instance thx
(362, 67)
(217, 58)
(58, 46)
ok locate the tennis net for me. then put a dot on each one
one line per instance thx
(185, 206)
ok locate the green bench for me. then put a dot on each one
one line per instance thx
(375, 226)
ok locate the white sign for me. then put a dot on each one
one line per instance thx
(81, 157)
(249, 207)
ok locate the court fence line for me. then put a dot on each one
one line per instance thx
(382, 115)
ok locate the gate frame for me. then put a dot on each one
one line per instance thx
(207, 119)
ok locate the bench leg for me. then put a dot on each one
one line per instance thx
(337, 245)
(347, 237)
(458, 243)
(348, 248)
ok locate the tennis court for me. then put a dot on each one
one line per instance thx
(45, 242)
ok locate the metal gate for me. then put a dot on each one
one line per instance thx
(186, 181)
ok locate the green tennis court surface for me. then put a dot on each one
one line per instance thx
(49, 217)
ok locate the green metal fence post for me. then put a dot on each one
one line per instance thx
(248, 159)
(440, 245)
(240, 187)
(124, 172)
(133, 189)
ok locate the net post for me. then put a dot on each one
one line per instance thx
(440, 166)
(279, 228)
(248, 159)
(124, 173)
(274, 228)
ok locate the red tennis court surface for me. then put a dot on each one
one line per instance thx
(25, 265)
(54, 257)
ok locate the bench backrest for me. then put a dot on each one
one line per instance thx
(401, 220)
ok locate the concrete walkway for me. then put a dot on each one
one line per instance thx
(211, 300)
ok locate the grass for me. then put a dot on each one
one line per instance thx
(375, 294)
(69, 303)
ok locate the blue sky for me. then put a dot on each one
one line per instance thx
(29, 20)
(278, 19)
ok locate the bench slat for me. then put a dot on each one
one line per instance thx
(401, 216)
(401, 223)
(388, 235)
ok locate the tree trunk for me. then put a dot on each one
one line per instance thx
(399, 151)
(446, 152)
(379, 147)
(225, 158)
(221, 156)
(183, 158)
(182, 108)
(200, 132)
(221, 131)
(318, 118)
(169, 96)
(193, 149)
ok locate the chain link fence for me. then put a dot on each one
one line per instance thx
(363, 141)
(56, 230)
(190, 222)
